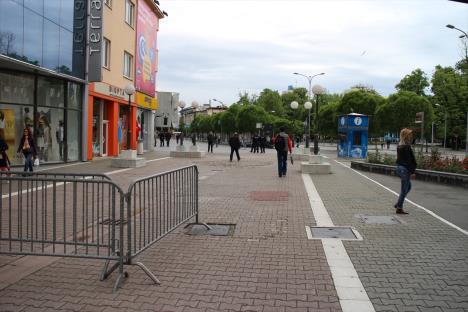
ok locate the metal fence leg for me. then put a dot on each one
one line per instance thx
(104, 273)
(148, 272)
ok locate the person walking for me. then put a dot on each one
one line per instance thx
(211, 139)
(4, 160)
(406, 167)
(168, 138)
(235, 144)
(28, 148)
(262, 143)
(283, 145)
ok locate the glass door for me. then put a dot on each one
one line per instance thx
(105, 136)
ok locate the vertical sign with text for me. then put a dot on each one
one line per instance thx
(95, 40)
(79, 38)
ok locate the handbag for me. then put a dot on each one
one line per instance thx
(36, 162)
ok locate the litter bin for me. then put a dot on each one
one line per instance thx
(140, 148)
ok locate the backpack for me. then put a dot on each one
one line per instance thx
(280, 143)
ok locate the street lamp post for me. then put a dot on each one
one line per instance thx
(317, 90)
(220, 102)
(308, 106)
(465, 35)
(309, 79)
(182, 105)
(129, 89)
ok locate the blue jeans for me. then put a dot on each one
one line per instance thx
(404, 175)
(282, 162)
(28, 162)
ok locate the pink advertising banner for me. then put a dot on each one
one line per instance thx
(146, 60)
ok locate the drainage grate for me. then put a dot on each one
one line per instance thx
(110, 222)
(367, 219)
(215, 229)
(269, 195)
(338, 232)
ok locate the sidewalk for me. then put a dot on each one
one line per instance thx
(268, 264)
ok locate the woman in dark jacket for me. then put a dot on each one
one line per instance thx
(28, 148)
(406, 167)
(235, 144)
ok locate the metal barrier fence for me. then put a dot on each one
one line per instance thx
(89, 216)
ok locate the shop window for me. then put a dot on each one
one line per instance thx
(50, 92)
(74, 95)
(73, 135)
(13, 120)
(16, 89)
(49, 134)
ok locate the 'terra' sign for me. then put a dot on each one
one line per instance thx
(79, 38)
(95, 40)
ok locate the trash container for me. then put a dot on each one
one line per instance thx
(140, 148)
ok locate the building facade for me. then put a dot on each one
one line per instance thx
(129, 57)
(42, 77)
(166, 116)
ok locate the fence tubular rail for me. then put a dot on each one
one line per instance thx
(89, 216)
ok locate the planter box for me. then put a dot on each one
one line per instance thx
(454, 179)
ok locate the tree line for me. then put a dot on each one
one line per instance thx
(443, 98)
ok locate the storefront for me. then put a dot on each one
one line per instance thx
(108, 120)
(146, 105)
(49, 105)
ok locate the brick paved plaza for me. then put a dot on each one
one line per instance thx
(267, 263)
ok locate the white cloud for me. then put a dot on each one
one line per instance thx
(215, 49)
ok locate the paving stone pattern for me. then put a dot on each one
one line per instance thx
(419, 265)
(266, 265)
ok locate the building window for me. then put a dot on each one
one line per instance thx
(129, 12)
(128, 65)
(108, 3)
(106, 46)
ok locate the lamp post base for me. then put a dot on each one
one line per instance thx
(128, 159)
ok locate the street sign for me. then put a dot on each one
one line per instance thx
(419, 117)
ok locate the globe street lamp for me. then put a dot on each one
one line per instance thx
(182, 105)
(129, 89)
(317, 90)
(307, 105)
(309, 79)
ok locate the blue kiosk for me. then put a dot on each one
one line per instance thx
(352, 135)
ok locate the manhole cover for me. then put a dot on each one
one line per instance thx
(269, 195)
(110, 222)
(338, 232)
(215, 229)
(378, 219)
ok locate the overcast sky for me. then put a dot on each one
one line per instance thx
(218, 48)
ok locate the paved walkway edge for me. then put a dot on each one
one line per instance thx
(409, 201)
(351, 292)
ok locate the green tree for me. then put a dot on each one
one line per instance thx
(328, 119)
(228, 121)
(271, 101)
(249, 116)
(361, 102)
(450, 88)
(416, 82)
(400, 112)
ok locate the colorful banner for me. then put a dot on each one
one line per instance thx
(146, 60)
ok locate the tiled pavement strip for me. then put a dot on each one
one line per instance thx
(268, 264)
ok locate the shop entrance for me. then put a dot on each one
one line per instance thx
(105, 137)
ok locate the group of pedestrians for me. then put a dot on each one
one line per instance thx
(163, 137)
(258, 144)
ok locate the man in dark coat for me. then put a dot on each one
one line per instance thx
(235, 144)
